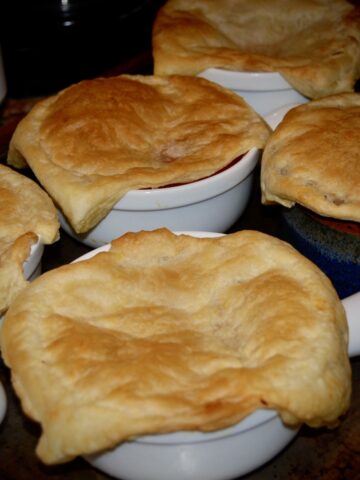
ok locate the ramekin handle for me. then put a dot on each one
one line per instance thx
(352, 309)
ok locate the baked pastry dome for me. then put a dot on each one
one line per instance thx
(165, 333)
(313, 158)
(314, 45)
(27, 214)
(98, 139)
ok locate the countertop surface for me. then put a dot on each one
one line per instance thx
(314, 454)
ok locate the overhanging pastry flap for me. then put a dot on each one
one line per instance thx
(314, 44)
(165, 333)
(313, 158)
(27, 214)
(93, 142)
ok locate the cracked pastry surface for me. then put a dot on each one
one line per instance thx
(26, 214)
(98, 139)
(313, 158)
(165, 333)
(316, 48)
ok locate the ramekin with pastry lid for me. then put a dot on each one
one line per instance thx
(311, 166)
(177, 345)
(214, 203)
(272, 53)
(28, 221)
(143, 151)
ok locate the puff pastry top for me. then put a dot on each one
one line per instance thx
(26, 214)
(167, 333)
(314, 44)
(313, 158)
(98, 139)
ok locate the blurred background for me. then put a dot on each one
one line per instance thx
(49, 44)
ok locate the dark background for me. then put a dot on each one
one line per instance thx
(49, 44)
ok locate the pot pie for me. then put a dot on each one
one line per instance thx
(98, 139)
(27, 215)
(314, 44)
(313, 158)
(184, 333)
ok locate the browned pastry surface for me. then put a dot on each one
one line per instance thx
(166, 333)
(313, 158)
(314, 44)
(26, 215)
(98, 139)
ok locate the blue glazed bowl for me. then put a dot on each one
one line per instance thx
(334, 246)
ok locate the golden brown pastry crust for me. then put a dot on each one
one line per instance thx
(167, 333)
(98, 139)
(313, 158)
(315, 45)
(26, 214)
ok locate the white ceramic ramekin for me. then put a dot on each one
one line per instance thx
(219, 455)
(212, 204)
(264, 91)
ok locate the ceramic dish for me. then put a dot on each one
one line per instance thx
(225, 454)
(332, 245)
(328, 243)
(218, 455)
(211, 204)
(264, 91)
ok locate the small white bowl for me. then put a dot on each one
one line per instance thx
(218, 455)
(212, 204)
(264, 91)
